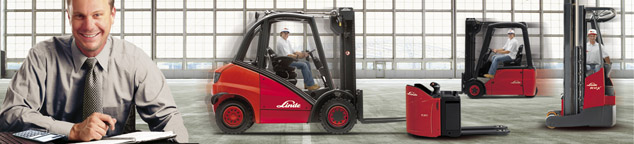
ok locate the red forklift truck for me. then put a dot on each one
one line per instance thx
(247, 91)
(588, 99)
(516, 77)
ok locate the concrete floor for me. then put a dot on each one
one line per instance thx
(525, 117)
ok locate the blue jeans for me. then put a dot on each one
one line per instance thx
(306, 73)
(593, 67)
(497, 59)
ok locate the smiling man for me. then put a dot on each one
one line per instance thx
(86, 86)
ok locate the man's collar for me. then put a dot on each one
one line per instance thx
(102, 58)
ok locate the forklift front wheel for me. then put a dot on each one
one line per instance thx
(338, 116)
(233, 117)
(475, 89)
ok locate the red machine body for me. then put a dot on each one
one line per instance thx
(512, 82)
(280, 105)
(423, 113)
(594, 94)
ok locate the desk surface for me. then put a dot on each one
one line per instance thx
(8, 138)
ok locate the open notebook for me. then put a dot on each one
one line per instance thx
(135, 137)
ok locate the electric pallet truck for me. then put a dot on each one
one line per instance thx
(437, 113)
(588, 98)
(515, 78)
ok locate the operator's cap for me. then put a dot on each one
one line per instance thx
(285, 30)
(592, 32)
(511, 31)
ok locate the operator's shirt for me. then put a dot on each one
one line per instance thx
(284, 47)
(593, 56)
(47, 91)
(511, 45)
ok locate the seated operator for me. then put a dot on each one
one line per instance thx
(506, 53)
(85, 86)
(284, 48)
(593, 55)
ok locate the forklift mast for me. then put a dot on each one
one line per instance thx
(343, 25)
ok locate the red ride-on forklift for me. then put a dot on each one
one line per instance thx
(588, 98)
(246, 91)
(514, 78)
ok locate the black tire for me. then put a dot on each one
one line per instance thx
(338, 116)
(233, 117)
(475, 89)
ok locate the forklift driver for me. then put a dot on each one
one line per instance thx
(284, 47)
(593, 60)
(506, 53)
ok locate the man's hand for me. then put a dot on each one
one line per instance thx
(93, 127)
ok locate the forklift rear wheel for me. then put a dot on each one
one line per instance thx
(475, 89)
(549, 114)
(233, 117)
(338, 116)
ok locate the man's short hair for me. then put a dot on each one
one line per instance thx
(68, 2)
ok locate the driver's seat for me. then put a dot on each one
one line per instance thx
(281, 66)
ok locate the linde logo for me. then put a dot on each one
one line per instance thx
(289, 104)
(594, 86)
(412, 94)
(516, 82)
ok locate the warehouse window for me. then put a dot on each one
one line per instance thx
(629, 50)
(169, 46)
(438, 66)
(229, 22)
(138, 22)
(378, 4)
(409, 22)
(409, 47)
(409, 4)
(498, 4)
(553, 23)
(408, 66)
(319, 4)
(437, 4)
(553, 5)
(259, 3)
(169, 3)
(290, 4)
(379, 47)
(379, 22)
(200, 47)
(469, 4)
(526, 5)
(438, 22)
(438, 47)
(613, 47)
(229, 4)
(48, 22)
(169, 22)
(553, 47)
(502, 17)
